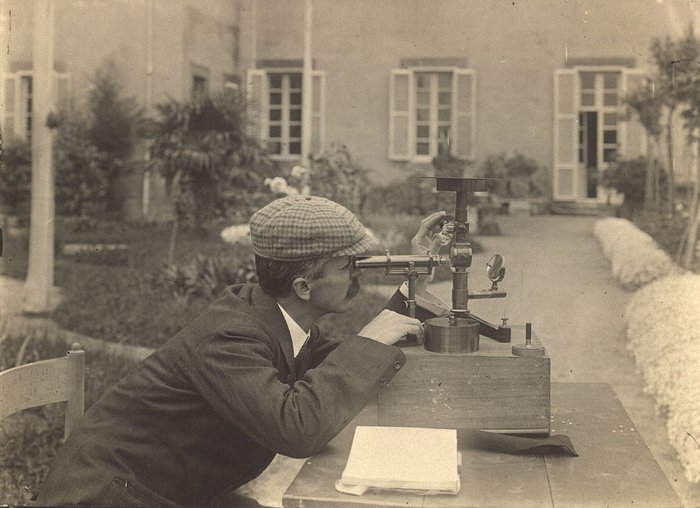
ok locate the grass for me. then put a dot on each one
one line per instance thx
(30, 440)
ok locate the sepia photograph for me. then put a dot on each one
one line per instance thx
(338, 253)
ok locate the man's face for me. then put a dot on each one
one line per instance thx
(333, 290)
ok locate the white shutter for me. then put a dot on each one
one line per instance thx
(464, 113)
(400, 107)
(565, 130)
(10, 105)
(318, 123)
(256, 89)
(632, 135)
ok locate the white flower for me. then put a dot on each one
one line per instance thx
(239, 234)
(278, 185)
(299, 172)
(291, 191)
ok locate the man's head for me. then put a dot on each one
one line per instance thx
(304, 245)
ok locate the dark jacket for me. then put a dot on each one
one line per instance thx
(208, 411)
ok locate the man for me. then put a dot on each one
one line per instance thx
(251, 377)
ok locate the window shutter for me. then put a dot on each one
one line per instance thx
(318, 130)
(632, 135)
(464, 113)
(9, 106)
(61, 90)
(256, 90)
(565, 129)
(400, 100)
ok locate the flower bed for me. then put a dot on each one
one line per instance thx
(663, 329)
(635, 257)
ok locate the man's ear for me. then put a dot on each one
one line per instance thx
(301, 288)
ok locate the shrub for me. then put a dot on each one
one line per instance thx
(336, 176)
(16, 177)
(112, 129)
(207, 276)
(522, 177)
(628, 177)
(81, 179)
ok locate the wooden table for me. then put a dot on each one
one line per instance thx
(614, 466)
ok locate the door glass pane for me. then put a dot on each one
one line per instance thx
(423, 98)
(610, 80)
(295, 115)
(610, 119)
(295, 98)
(275, 98)
(295, 148)
(609, 154)
(587, 99)
(422, 148)
(275, 115)
(444, 98)
(610, 137)
(610, 99)
(295, 131)
(422, 131)
(422, 115)
(587, 80)
(275, 131)
(422, 80)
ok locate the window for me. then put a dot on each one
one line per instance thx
(277, 108)
(17, 100)
(200, 83)
(284, 114)
(432, 113)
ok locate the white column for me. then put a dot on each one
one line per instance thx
(39, 282)
(307, 91)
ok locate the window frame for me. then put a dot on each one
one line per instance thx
(260, 101)
(410, 115)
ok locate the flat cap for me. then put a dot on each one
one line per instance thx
(296, 228)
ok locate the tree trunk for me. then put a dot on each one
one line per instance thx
(691, 233)
(649, 175)
(670, 191)
(173, 239)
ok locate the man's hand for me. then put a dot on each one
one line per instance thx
(389, 327)
(430, 238)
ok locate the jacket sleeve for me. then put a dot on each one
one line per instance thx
(238, 377)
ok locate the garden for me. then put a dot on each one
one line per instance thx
(137, 284)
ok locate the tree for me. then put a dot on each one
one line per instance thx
(113, 126)
(202, 150)
(647, 104)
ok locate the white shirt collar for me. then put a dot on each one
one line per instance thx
(298, 334)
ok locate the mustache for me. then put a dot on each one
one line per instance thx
(353, 289)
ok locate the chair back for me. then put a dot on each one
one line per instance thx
(46, 382)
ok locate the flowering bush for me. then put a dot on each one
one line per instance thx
(663, 329)
(635, 258)
(237, 234)
(207, 276)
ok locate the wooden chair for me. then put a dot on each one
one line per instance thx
(46, 382)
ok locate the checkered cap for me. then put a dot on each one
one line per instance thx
(302, 227)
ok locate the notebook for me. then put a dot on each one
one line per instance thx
(419, 460)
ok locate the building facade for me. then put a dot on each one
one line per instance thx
(161, 49)
(401, 81)
(397, 81)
